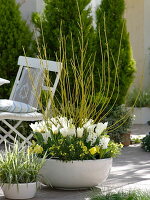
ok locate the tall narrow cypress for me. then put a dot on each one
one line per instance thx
(112, 12)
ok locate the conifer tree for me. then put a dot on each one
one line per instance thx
(14, 35)
(64, 15)
(63, 19)
(112, 12)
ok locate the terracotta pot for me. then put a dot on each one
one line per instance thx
(126, 140)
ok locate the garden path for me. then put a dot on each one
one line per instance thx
(131, 170)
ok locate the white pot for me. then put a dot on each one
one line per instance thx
(20, 191)
(75, 174)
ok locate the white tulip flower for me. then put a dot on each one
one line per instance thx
(55, 129)
(104, 142)
(88, 123)
(63, 121)
(34, 126)
(67, 131)
(91, 128)
(80, 132)
(92, 138)
(46, 135)
(39, 127)
(100, 128)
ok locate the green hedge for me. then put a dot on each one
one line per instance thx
(14, 35)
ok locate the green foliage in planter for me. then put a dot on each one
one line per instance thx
(111, 22)
(130, 195)
(17, 165)
(146, 143)
(14, 35)
(122, 126)
(143, 99)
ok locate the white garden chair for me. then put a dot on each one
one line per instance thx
(28, 80)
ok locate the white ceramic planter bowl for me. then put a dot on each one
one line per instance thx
(75, 174)
(20, 191)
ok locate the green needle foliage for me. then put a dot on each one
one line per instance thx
(14, 35)
(17, 165)
(112, 13)
(64, 14)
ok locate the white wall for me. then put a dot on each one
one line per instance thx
(138, 24)
(135, 25)
(27, 7)
(95, 4)
(147, 43)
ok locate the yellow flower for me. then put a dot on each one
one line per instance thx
(84, 148)
(93, 150)
(97, 149)
(81, 143)
(38, 149)
(82, 154)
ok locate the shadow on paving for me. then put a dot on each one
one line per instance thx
(53, 194)
(132, 166)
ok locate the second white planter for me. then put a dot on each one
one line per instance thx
(19, 191)
(75, 174)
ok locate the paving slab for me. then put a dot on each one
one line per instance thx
(140, 129)
(130, 170)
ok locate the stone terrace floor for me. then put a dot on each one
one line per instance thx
(131, 170)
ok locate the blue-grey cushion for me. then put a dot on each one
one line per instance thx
(15, 106)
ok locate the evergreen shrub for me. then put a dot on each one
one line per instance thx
(63, 15)
(110, 21)
(14, 36)
(146, 143)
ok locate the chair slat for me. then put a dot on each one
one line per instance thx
(39, 63)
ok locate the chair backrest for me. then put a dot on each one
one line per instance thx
(30, 79)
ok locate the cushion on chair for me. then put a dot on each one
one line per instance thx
(15, 106)
(29, 88)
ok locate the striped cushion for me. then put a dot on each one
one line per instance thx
(15, 106)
